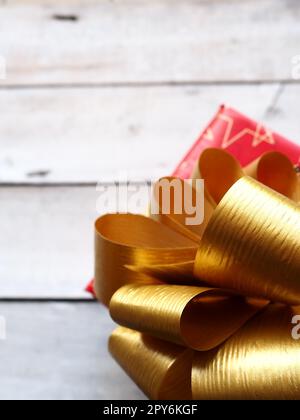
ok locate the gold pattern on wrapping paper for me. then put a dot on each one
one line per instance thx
(259, 135)
(209, 134)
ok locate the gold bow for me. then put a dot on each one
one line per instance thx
(193, 301)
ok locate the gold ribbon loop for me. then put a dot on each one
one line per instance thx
(175, 192)
(252, 244)
(161, 369)
(261, 361)
(220, 170)
(276, 171)
(125, 240)
(197, 317)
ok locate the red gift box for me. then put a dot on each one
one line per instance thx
(244, 138)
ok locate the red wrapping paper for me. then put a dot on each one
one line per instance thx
(244, 138)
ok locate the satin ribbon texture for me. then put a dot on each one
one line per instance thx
(205, 311)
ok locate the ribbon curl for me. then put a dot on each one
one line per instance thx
(193, 301)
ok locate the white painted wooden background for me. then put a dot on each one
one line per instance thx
(101, 90)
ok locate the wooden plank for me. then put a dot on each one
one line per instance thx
(140, 41)
(283, 115)
(59, 352)
(46, 238)
(86, 135)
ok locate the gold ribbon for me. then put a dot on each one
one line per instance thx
(193, 301)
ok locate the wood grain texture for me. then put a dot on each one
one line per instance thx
(103, 134)
(137, 41)
(283, 114)
(59, 352)
(47, 238)
(101, 91)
